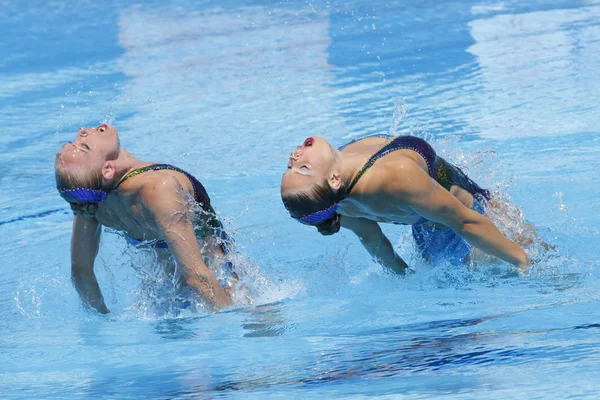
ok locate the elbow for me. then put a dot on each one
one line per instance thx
(78, 271)
(473, 226)
(464, 228)
(75, 271)
(470, 223)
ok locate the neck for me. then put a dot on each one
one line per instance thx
(349, 165)
(125, 162)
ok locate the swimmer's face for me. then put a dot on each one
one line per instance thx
(91, 148)
(309, 164)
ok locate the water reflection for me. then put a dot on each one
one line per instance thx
(221, 79)
(529, 59)
(177, 328)
(264, 321)
(377, 357)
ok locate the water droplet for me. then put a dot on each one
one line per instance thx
(399, 113)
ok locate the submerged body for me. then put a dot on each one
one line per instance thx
(153, 204)
(396, 180)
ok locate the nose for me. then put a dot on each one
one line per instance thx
(83, 132)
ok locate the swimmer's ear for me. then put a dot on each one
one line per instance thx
(335, 181)
(109, 169)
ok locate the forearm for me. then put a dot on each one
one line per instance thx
(485, 236)
(382, 251)
(89, 291)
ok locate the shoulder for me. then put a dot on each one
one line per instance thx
(368, 144)
(156, 183)
(159, 190)
(402, 176)
(398, 169)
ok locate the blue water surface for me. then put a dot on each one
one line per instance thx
(508, 90)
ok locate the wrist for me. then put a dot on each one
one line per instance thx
(523, 261)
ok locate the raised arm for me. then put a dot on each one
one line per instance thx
(377, 244)
(414, 187)
(169, 207)
(84, 248)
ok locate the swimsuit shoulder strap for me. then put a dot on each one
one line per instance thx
(136, 172)
(151, 167)
(399, 143)
(200, 194)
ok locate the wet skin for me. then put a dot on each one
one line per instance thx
(397, 188)
(153, 205)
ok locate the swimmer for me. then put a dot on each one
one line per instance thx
(155, 205)
(397, 180)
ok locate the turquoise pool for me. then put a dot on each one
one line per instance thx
(507, 89)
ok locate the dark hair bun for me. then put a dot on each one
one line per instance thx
(330, 226)
(86, 210)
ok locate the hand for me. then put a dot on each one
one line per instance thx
(523, 265)
(238, 293)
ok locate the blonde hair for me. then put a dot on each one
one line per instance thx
(72, 178)
(318, 198)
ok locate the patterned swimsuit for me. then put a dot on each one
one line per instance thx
(435, 244)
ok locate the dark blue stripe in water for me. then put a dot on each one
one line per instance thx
(37, 215)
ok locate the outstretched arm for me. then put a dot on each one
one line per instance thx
(84, 248)
(425, 196)
(377, 244)
(169, 207)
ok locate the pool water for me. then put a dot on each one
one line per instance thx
(508, 90)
